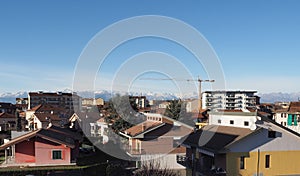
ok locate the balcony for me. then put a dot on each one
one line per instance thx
(230, 97)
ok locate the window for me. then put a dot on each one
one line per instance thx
(267, 164)
(284, 123)
(231, 122)
(56, 154)
(246, 123)
(271, 134)
(242, 162)
(219, 121)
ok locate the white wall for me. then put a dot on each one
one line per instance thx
(237, 119)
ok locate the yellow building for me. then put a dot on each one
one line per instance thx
(270, 149)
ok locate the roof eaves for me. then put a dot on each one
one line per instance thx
(141, 135)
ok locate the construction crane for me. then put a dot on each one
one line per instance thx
(200, 81)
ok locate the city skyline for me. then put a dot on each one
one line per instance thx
(256, 42)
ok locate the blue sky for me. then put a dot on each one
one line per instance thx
(257, 42)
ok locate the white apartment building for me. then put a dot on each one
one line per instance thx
(229, 99)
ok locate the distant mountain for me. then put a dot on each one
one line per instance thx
(11, 97)
(279, 96)
(106, 95)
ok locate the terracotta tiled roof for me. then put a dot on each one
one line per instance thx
(66, 132)
(48, 134)
(294, 107)
(282, 110)
(230, 110)
(47, 108)
(88, 116)
(6, 115)
(101, 120)
(44, 117)
(142, 127)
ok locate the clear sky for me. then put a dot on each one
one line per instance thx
(257, 42)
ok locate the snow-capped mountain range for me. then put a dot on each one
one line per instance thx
(106, 95)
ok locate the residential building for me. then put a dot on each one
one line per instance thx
(22, 104)
(7, 107)
(158, 138)
(45, 120)
(69, 101)
(233, 118)
(92, 101)
(100, 128)
(51, 146)
(229, 99)
(159, 106)
(280, 116)
(231, 150)
(192, 105)
(140, 101)
(40, 116)
(8, 121)
(81, 121)
(289, 117)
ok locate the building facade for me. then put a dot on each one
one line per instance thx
(229, 99)
(236, 150)
(51, 146)
(289, 117)
(69, 101)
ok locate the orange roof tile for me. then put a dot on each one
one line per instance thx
(294, 107)
(6, 115)
(142, 127)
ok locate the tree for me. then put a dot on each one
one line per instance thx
(19, 121)
(122, 113)
(153, 168)
(174, 109)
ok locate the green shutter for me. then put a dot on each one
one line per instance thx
(289, 120)
(295, 120)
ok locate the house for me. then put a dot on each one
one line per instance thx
(157, 138)
(234, 118)
(234, 149)
(92, 101)
(44, 120)
(40, 115)
(82, 121)
(140, 101)
(100, 128)
(159, 106)
(192, 106)
(69, 101)
(22, 104)
(51, 146)
(7, 107)
(229, 99)
(8, 122)
(289, 117)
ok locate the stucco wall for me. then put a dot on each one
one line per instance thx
(43, 151)
(281, 163)
(25, 152)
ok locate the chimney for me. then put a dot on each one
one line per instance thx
(143, 127)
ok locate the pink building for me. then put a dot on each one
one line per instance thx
(52, 146)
